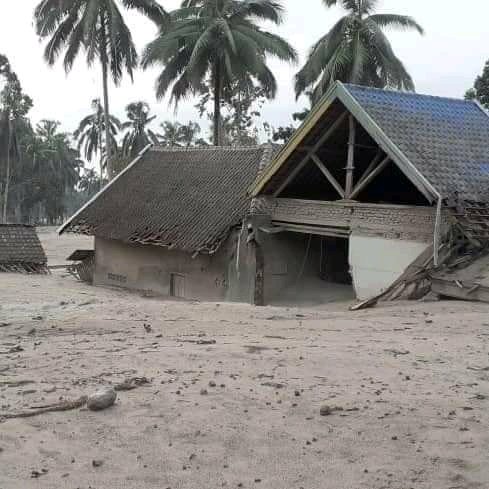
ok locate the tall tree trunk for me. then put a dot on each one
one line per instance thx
(105, 79)
(217, 104)
(7, 174)
(100, 142)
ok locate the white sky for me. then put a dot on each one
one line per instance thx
(443, 62)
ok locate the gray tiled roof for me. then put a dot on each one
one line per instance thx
(447, 140)
(20, 244)
(186, 199)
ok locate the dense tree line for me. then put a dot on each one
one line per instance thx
(219, 51)
(216, 51)
(37, 164)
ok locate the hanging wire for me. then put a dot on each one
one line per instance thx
(305, 258)
(321, 258)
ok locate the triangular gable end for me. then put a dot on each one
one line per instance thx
(340, 93)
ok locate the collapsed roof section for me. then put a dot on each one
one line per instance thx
(186, 198)
(21, 250)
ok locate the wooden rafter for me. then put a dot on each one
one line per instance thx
(368, 178)
(371, 166)
(313, 150)
(328, 175)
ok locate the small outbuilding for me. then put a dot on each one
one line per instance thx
(370, 182)
(20, 250)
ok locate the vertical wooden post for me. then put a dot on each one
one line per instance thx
(259, 269)
(259, 295)
(350, 167)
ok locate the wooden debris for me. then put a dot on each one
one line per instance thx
(58, 407)
(466, 240)
(130, 384)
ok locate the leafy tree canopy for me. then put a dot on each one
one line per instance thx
(356, 50)
(480, 91)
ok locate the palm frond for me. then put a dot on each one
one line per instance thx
(396, 21)
(150, 8)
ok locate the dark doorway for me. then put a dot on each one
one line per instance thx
(333, 260)
(306, 269)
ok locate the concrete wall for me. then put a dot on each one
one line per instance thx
(291, 275)
(373, 262)
(377, 262)
(149, 268)
(385, 239)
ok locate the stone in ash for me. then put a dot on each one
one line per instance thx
(102, 399)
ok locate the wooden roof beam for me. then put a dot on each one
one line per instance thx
(350, 167)
(370, 167)
(328, 175)
(365, 181)
(316, 146)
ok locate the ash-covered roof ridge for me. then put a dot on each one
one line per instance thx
(174, 149)
(414, 94)
(180, 198)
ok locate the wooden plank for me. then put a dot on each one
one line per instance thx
(350, 167)
(292, 175)
(370, 177)
(354, 215)
(318, 144)
(451, 289)
(370, 167)
(328, 175)
(332, 231)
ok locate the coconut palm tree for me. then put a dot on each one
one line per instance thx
(356, 50)
(91, 132)
(171, 135)
(216, 42)
(58, 167)
(189, 135)
(97, 27)
(89, 182)
(14, 107)
(61, 159)
(138, 134)
(182, 135)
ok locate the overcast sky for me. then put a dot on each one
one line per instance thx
(443, 62)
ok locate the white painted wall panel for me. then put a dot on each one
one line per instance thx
(377, 262)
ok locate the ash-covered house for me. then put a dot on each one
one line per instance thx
(362, 189)
(172, 222)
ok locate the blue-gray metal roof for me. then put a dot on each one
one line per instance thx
(447, 140)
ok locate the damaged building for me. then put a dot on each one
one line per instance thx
(171, 223)
(370, 182)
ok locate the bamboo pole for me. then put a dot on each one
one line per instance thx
(350, 167)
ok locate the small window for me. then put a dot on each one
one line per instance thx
(114, 277)
(177, 285)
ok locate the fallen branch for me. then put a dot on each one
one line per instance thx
(58, 407)
(15, 383)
